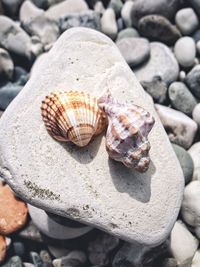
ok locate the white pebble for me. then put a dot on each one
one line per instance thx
(109, 24)
(186, 20)
(126, 13)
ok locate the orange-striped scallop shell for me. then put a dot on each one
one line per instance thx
(72, 116)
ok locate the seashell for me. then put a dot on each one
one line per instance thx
(128, 129)
(72, 116)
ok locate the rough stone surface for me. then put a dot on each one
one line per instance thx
(53, 229)
(13, 212)
(182, 243)
(6, 65)
(109, 24)
(190, 206)
(158, 28)
(180, 128)
(194, 152)
(127, 33)
(141, 8)
(186, 162)
(186, 20)
(185, 51)
(193, 80)
(162, 63)
(181, 98)
(134, 50)
(106, 190)
(196, 114)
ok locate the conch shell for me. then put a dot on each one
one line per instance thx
(72, 116)
(128, 128)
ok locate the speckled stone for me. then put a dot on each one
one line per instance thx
(106, 190)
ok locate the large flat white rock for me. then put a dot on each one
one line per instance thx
(83, 184)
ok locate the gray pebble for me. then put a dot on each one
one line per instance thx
(109, 24)
(19, 248)
(181, 98)
(186, 162)
(116, 5)
(169, 262)
(193, 80)
(99, 7)
(186, 20)
(134, 50)
(45, 257)
(6, 65)
(28, 264)
(196, 35)
(196, 5)
(161, 63)
(35, 258)
(127, 33)
(120, 24)
(7, 93)
(58, 251)
(158, 28)
(11, 7)
(14, 261)
(31, 233)
(180, 128)
(75, 258)
(185, 51)
(90, 19)
(20, 75)
(126, 13)
(157, 89)
(196, 114)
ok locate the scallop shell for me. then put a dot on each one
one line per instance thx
(72, 116)
(128, 129)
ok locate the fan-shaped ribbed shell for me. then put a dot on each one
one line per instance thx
(128, 128)
(72, 116)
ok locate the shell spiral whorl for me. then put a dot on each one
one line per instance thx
(128, 128)
(72, 116)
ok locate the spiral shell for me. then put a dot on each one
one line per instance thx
(72, 116)
(128, 128)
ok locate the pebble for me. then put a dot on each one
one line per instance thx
(196, 5)
(196, 35)
(186, 20)
(180, 128)
(58, 251)
(11, 7)
(6, 65)
(65, 8)
(14, 261)
(90, 19)
(99, 7)
(32, 18)
(158, 28)
(196, 259)
(35, 258)
(183, 244)
(182, 75)
(141, 8)
(116, 5)
(162, 63)
(31, 233)
(13, 212)
(28, 264)
(127, 33)
(7, 93)
(45, 257)
(19, 249)
(2, 248)
(181, 98)
(16, 40)
(185, 51)
(120, 24)
(193, 80)
(169, 262)
(109, 24)
(186, 162)
(20, 76)
(126, 13)
(75, 258)
(196, 114)
(134, 50)
(194, 152)
(190, 206)
(157, 89)
(8, 242)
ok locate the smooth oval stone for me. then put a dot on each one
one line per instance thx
(194, 152)
(109, 24)
(162, 63)
(196, 114)
(185, 51)
(186, 20)
(127, 33)
(193, 80)
(126, 13)
(134, 50)
(158, 28)
(84, 184)
(181, 98)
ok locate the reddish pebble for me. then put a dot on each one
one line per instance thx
(2, 248)
(13, 212)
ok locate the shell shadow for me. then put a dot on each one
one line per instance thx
(84, 155)
(137, 185)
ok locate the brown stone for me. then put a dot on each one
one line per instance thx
(13, 212)
(2, 248)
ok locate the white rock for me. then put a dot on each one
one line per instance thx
(109, 24)
(6, 64)
(185, 51)
(190, 209)
(99, 7)
(196, 114)
(194, 152)
(66, 8)
(29, 11)
(196, 259)
(183, 244)
(96, 191)
(181, 128)
(53, 229)
(186, 20)
(126, 13)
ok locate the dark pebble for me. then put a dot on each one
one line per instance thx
(7, 93)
